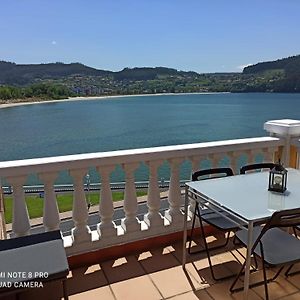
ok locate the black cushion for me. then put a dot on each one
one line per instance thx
(41, 253)
(219, 221)
(30, 240)
(211, 217)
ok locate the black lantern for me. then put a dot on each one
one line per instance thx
(278, 178)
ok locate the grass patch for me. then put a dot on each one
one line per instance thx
(35, 204)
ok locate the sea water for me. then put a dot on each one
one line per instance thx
(62, 128)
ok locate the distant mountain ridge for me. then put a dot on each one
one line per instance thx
(147, 73)
(11, 73)
(289, 65)
(290, 74)
(57, 80)
(21, 74)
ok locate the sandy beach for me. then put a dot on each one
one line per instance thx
(6, 105)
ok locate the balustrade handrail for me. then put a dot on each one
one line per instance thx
(77, 161)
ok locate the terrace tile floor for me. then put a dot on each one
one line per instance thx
(158, 274)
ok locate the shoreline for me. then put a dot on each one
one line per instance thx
(80, 98)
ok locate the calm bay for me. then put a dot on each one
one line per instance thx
(62, 128)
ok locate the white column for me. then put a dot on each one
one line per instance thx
(195, 160)
(81, 232)
(298, 157)
(250, 157)
(107, 227)
(51, 218)
(285, 129)
(174, 214)
(131, 222)
(153, 218)
(268, 154)
(20, 222)
(234, 156)
(215, 159)
(3, 233)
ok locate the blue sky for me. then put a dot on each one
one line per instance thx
(203, 36)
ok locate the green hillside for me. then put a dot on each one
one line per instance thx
(149, 73)
(11, 73)
(16, 74)
(290, 65)
(58, 80)
(288, 70)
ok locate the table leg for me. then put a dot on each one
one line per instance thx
(248, 260)
(65, 292)
(186, 198)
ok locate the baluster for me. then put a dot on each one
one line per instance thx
(268, 154)
(215, 159)
(51, 218)
(81, 232)
(153, 218)
(3, 233)
(174, 214)
(131, 222)
(195, 160)
(107, 227)
(234, 156)
(297, 158)
(20, 222)
(250, 156)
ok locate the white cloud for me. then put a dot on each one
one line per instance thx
(241, 67)
(53, 43)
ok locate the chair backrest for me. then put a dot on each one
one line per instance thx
(258, 166)
(285, 218)
(219, 172)
(281, 218)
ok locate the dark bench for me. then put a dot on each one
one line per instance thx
(29, 261)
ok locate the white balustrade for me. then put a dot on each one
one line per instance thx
(106, 228)
(131, 228)
(20, 222)
(81, 233)
(153, 218)
(130, 223)
(51, 218)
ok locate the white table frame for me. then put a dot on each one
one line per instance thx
(242, 222)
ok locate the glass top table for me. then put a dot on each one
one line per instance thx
(243, 197)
